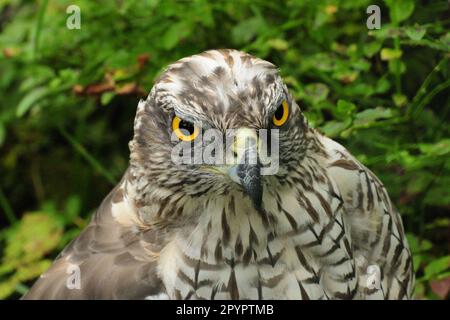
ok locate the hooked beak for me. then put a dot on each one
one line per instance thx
(247, 172)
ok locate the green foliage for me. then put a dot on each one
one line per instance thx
(26, 247)
(68, 97)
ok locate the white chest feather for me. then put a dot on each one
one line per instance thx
(235, 252)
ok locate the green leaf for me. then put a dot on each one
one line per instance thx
(72, 208)
(371, 48)
(440, 148)
(107, 97)
(244, 31)
(415, 33)
(437, 266)
(334, 128)
(368, 116)
(443, 275)
(278, 44)
(390, 54)
(7, 288)
(317, 92)
(418, 245)
(396, 66)
(417, 260)
(32, 270)
(30, 100)
(399, 99)
(36, 235)
(174, 34)
(344, 109)
(382, 85)
(438, 223)
(400, 10)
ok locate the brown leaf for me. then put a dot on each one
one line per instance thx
(130, 88)
(142, 60)
(10, 52)
(99, 88)
(78, 89)
(127, 88)
(441, 287)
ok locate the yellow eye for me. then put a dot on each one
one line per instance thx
(184, 130)
(281, 115)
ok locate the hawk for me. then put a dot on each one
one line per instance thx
(321, 227)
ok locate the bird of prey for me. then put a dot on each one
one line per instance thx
(321, 227)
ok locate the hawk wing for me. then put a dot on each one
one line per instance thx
(113, 258)
(376, 227)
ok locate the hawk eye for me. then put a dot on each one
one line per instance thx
(185, 130)
(281, 114)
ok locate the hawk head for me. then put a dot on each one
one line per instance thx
(216, 90)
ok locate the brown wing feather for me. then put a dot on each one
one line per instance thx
(112, 261)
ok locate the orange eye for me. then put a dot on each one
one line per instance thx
(281, 114)
(184, 130)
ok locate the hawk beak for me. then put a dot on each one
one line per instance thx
(250, 179)
(247, 172)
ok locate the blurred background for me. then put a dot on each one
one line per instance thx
(68, 98)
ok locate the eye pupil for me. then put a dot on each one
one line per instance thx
(279, 112)
(184, 130)
(184, 125)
